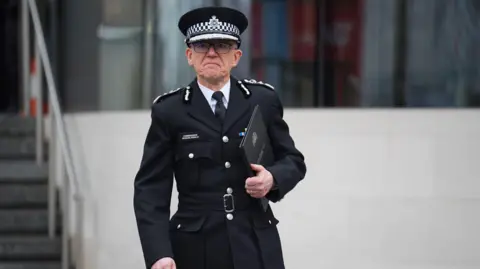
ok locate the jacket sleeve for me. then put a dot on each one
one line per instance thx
(153, 190)
(289, 167)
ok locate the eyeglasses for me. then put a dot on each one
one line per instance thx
(203, 47)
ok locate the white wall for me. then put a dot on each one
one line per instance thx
(385, 189)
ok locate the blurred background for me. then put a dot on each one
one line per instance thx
(317, 53)
(391, 184)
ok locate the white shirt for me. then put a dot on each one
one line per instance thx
(209, 93)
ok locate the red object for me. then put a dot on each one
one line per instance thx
(257, 39)
(302, 17)
(344, 29)
(33, 101)
(256, 27)
(343, 40)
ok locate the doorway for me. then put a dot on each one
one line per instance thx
(9, 56)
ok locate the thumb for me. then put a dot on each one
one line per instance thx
(257, 167)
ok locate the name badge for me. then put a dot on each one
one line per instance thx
(190, 136)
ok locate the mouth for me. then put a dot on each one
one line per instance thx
(207, 64)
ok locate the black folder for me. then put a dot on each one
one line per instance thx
(256, 147)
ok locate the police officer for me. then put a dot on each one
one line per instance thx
(194, 137)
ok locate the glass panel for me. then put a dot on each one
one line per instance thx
(171, 67)
(121, 55)
(403, 53)
(122, 12)
(377, 51)
(355, 53)
(443, 53)
(342, 49)
(400, 53)
(284, 43)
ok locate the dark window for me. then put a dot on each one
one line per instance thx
(375, 53)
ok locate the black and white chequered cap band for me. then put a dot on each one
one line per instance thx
(213, 29)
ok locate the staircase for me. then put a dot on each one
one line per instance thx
(24, 241)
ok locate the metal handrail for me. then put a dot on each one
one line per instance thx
(60, 154)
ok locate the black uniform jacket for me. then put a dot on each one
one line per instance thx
(186, 141)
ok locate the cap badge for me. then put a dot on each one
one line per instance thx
(214, 22)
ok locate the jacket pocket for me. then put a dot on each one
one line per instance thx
(187, 223)
(190, 161)
(188, 241)
(265, 221)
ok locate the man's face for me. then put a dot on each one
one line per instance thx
(213, 59)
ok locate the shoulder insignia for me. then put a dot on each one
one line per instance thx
(246, 92)
(187, 95)
(257, 82)
(163, 96)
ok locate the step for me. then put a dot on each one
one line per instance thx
(25, 221)
(30, 265)
(18, 195)
(19, 147)
(29, 248)
(23, 180)
(12, 170)
(14, 125)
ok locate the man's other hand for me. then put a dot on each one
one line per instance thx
(259, 185)
(165, 263)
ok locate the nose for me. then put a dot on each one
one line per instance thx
(211, 51)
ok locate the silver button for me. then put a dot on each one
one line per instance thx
(229, 216)
(269, 221)
(179, 226)
(190, 155)
(225, 139)
(227, 165)
(229, 190)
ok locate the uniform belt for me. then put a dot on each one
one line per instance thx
(227, 202)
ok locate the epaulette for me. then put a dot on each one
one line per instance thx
(167, 94)
(260, 83)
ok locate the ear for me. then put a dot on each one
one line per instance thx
(188, 54)
(236, 57)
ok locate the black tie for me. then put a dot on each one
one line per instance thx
(220, 106)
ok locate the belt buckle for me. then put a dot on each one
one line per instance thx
(228, 203)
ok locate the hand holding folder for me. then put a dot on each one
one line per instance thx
(256, 147)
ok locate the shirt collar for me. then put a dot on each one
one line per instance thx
(208, 92)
